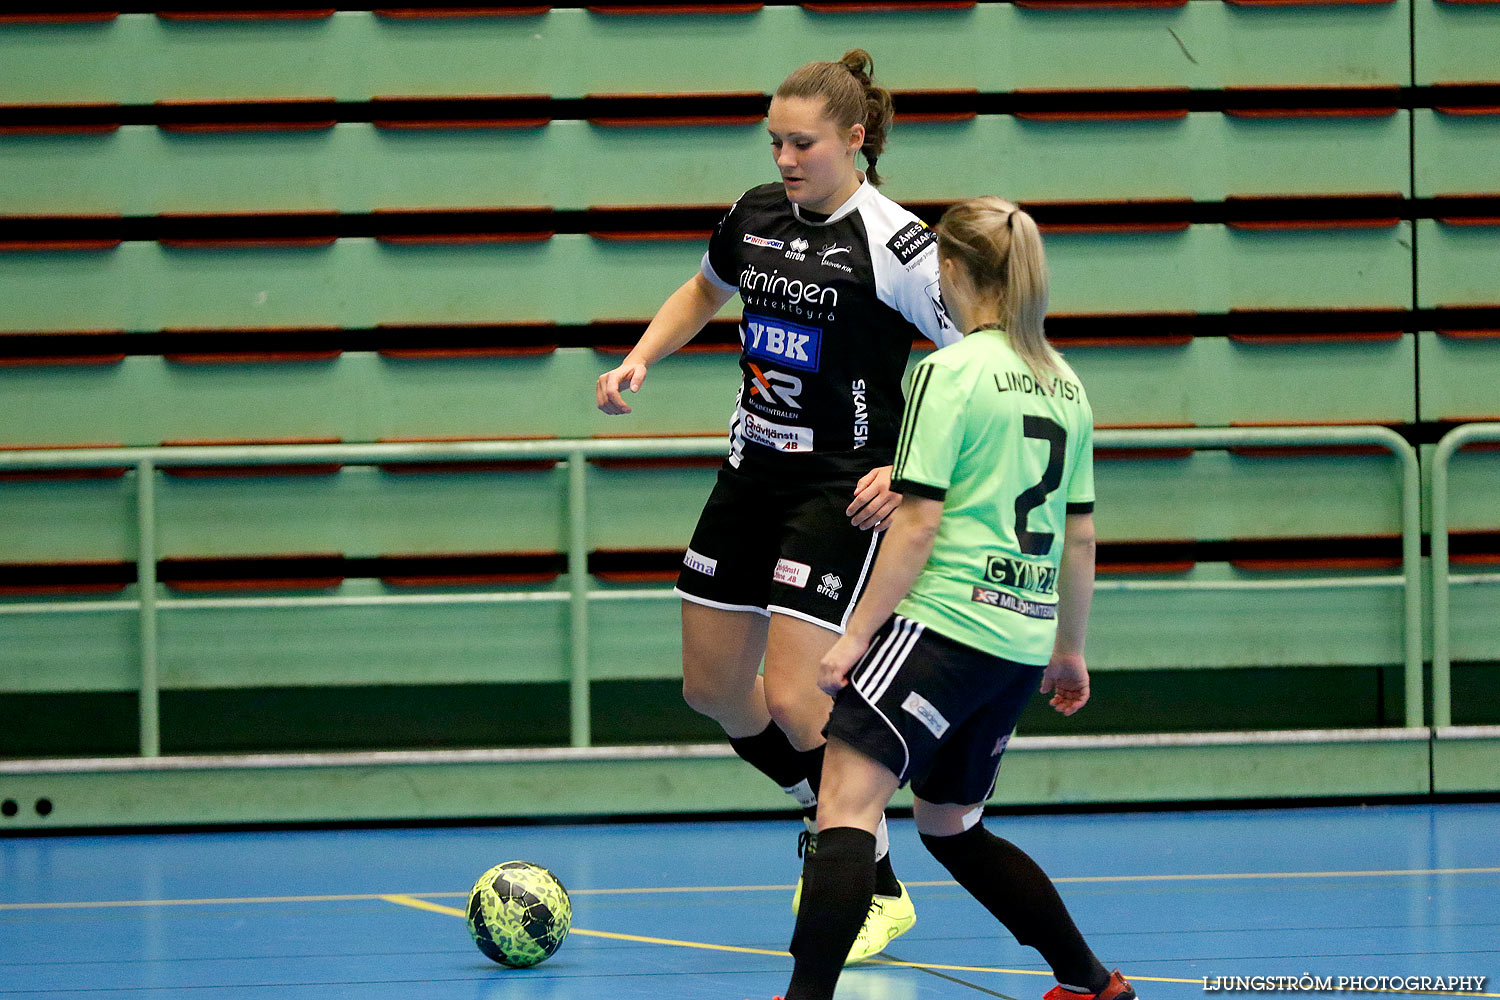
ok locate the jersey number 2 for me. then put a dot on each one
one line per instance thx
(1039, 543)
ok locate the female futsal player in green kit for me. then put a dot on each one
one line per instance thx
(980, 594)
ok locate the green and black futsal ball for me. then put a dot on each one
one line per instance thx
(519, 913)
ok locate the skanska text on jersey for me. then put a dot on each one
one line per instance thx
(1024, 383)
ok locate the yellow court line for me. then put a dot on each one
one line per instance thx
(116, 903)
(680, 944)
(649, 890)
(1372, 873)
(423, 904)
(1018, 972)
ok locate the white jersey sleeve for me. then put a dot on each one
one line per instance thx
(903, 251)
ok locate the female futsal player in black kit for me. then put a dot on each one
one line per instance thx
(836, 281)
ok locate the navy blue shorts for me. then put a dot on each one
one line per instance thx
(934, 711)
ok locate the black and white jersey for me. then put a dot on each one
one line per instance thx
(831, 308)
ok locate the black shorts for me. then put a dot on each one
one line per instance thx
(936, 712)
(786, 547)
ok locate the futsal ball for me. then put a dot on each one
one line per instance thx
(519, 913)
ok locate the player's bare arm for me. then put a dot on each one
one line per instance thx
(1067, 675)
(678, 321)
(904, 552)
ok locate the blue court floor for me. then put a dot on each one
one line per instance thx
(701, 910)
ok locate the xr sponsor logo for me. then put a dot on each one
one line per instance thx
(776, 388)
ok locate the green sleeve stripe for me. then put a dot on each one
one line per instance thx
(909, 418)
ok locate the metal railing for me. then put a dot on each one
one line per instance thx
(146, 461)
(1442, 580)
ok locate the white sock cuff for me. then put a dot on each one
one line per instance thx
(803, 793)
(882, 840)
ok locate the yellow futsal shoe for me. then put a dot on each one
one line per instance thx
(807, 843)
(889, 918)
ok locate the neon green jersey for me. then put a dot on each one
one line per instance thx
(1009, 457)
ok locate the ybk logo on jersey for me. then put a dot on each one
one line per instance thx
(787, 344)
(761, 241)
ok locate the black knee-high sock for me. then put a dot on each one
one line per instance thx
(885, 876)
(811, 762)
(773, 755)
(1021, 896)
(886, 883)
(838, 883)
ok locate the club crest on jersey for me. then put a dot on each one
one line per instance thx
(789, 345)
(761, 241)
(910, 241)
(827, 257)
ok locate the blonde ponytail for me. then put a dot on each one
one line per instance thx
(1000, 248)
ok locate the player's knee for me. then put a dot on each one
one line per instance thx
(800, 714)
(943, 819)
(702, 694)
(713, 691)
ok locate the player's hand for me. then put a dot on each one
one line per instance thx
(1067, 678)
(607, 388)
(833, 671)
(874, 503)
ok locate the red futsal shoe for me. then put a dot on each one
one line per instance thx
(1118, 988)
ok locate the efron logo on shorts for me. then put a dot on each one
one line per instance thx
(791, 573)
(830, 586)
